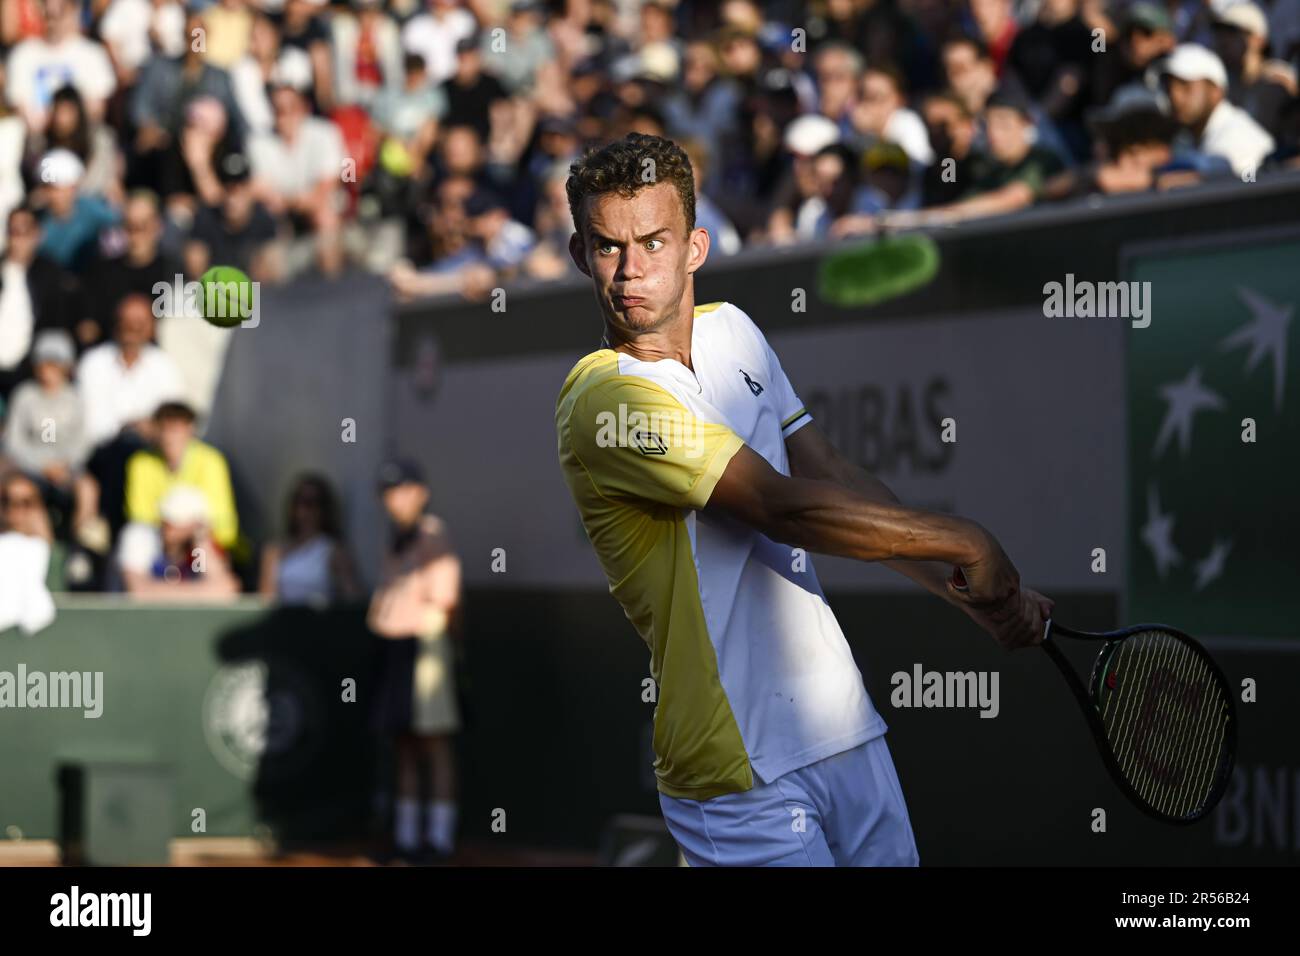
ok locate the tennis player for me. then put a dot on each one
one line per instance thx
(702, 481)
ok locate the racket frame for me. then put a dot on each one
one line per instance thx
(1089, 695)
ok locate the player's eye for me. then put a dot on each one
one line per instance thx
(601, 248)
(654, 240)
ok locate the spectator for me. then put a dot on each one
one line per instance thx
(160, 102)
(25, 557)
(1197, 84)
(881, 114)
(457, 263)
(301, 28)
(140, 267)
(176, 459)
(799, 203)
(471, 94)
(310, 565)
(297, 172)
(951, 130)
(410, 114)
(995, 26)
(1148, 36)
(239, 231)
(1010, 177)
(708, 215)
(1053, 59)
(72, 220)
(44, 436)
(1262, 87)
(124, 380)
(36, 294)
(131, 29)
(838, 68)
(970, 73)
(367, 49)
(505, 242)
(265, 64)
(39, 66)
(707, 107)
(93, 143)
(414, 611)
(177, 560)
(13, 140)
(227, 26)
(434, 35)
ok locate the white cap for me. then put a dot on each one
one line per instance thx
(184, 505)
(811, 133)
(1246, 17)
(1191, 61)
(61, 167)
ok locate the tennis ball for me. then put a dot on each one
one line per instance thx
(228, 296)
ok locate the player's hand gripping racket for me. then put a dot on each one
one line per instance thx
(1160, 711)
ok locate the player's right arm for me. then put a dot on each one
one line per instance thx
(829, 518)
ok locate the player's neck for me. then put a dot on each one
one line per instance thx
(672, 340)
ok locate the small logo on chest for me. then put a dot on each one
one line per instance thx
(753, 385)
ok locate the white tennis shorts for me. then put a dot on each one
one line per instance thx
(846, 810)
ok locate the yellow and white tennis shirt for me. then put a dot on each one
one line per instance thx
(754, 675)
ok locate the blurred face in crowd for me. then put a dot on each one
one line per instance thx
(308, 508)
(828, 170)
(880, 99)
(970, 76)
(51, 375)
(179, 540)
(1008, 132)
(65, 119)
(656, 24)
(405, 503)
(61, 198)
(174, 435)
(135, 323)
(1145, 46)
(951, 130)
(836, 82)
(990, 17)
(638, 247)
(741, 56)
(143, 228)
(462, 153)
(61, 18)
(469, 64)
(1058, 11)
(264, 40)
(237, 204)
(290, 109)
(20, 505)
(1192, 101)
(24, 236)
(699, 67)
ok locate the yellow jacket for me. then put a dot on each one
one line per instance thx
(148, 479)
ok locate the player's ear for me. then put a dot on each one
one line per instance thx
(699, 243)
(578, 251)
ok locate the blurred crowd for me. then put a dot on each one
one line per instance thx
(143, 141)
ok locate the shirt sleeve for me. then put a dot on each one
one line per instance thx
(637, 442)
(794, 415)
(221, 500)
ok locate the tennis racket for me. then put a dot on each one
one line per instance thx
(1160, 711)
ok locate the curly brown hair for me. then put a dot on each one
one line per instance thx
(627, 166)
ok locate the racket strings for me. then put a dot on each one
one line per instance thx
(1166, 718)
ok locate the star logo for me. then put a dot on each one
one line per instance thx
(1211, 566)
(1157, 535)
(1265, 334)
(1184, 399)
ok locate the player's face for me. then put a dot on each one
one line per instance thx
(639, 255)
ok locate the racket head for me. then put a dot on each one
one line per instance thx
(1164, 717)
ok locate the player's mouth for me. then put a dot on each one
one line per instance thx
(628, 301)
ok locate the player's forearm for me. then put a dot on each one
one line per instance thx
(829, 518)
(931, 575)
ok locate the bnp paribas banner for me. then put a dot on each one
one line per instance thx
(1214, 438)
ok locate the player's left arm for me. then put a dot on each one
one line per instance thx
(812, 455)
